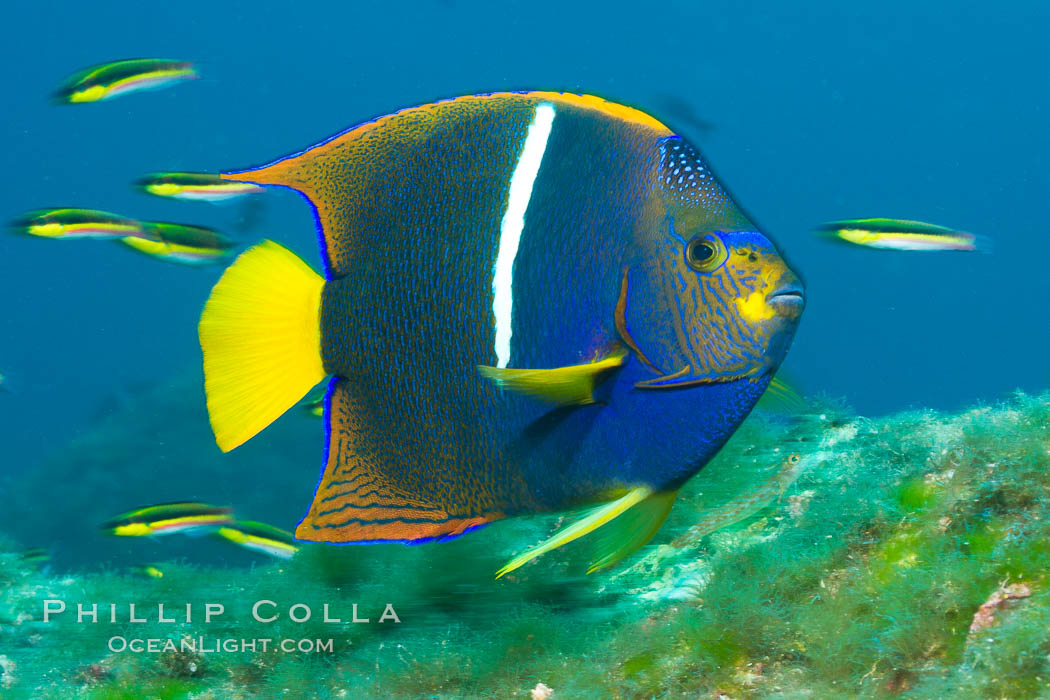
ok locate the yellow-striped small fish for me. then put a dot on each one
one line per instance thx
(181, 243)
(188, 518)
(147, 571)
(898, 234)
(77, 223)
(202, 187)
(35, 555)
(313, 404)
(108, 80)
(743, 506)
(260, 537)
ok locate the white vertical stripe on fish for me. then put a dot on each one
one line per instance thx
(521, 182)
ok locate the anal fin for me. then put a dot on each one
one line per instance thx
(357, 501)
(571, 385)
(635, 518)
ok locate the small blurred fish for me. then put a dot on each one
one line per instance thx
(3, 384)
(180, 243)
(260, 537)
(169, 518)
(77, 223)
(898, 234)
(35, 555)
(683, 112)
(203, 187)
(147, 571)
(109, 80)
(744, 505)
(313, 405)
(252, 211)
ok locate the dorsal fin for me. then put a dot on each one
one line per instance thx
(335, 175)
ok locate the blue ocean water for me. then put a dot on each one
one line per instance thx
(931, 111)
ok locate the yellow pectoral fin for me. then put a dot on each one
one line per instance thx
(647, 512)
(564, 385)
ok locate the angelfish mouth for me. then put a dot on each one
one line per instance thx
(789, 295)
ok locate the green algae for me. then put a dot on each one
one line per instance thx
(862, 579)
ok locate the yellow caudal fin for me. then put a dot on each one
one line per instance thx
(261, 337)
(563, 385)
(647, 510)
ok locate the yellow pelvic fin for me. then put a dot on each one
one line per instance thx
(261, 336)
(632, 530)
(647, 512)
(564, 385)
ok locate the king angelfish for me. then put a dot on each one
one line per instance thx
(530, 302)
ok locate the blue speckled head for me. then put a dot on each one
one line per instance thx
(707, 298)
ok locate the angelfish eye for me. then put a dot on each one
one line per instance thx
(706, 252)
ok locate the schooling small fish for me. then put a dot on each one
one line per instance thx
(180, 243)
(186, 518)
(77, 223)
(684, 111)
(531, 302)
(204, 187)
(743, 506)
(109, 80)
(260, 537)
(898, 234)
